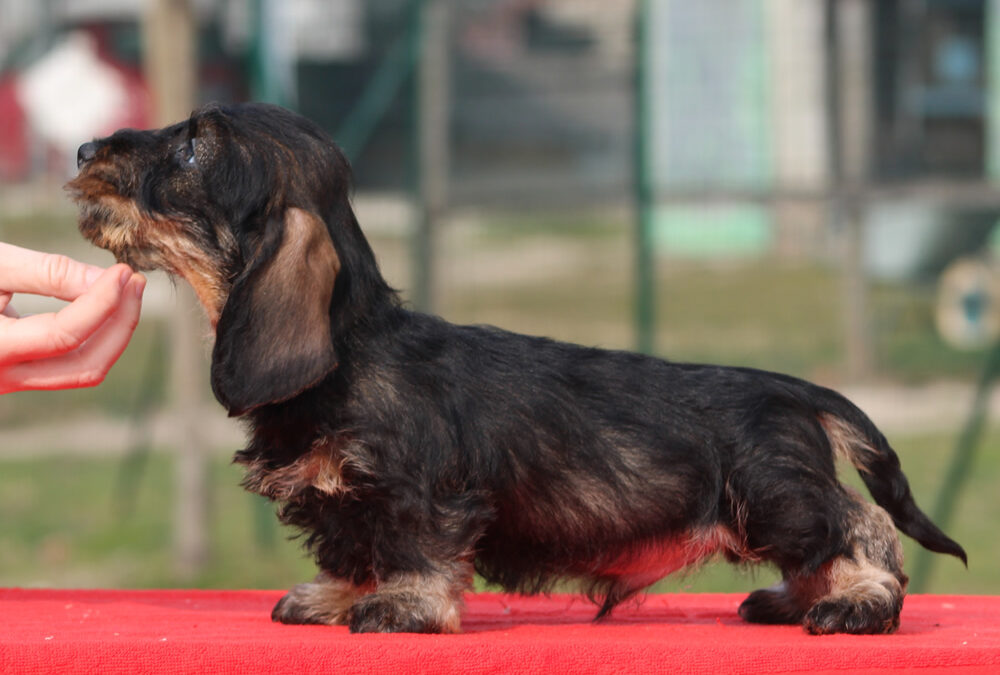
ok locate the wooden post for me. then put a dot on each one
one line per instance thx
(169, 33)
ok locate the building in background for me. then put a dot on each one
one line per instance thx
(541, 106)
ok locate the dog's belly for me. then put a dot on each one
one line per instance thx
(650, 561)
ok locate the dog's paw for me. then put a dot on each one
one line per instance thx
(771, 606)
(397, 613)
(322, 603)
(840, 615)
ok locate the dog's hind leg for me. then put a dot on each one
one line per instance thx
(839, 554)
(859, 591)
(865, 589)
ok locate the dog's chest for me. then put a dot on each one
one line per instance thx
(320, 468)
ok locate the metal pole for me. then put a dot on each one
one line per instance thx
(848, 96)
(378, 95)
(170, 62)
(645, 308)
(960, 467)
(432, 108)
(963, 457)
(993, 89)
(272, 61)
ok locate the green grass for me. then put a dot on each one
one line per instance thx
(767, 314)
(65, 524)
(907, 345)
(40, 229)
(569, 278)
(136, 383)
(782, 317)
(773, 313)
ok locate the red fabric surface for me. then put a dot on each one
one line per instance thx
(231, 631)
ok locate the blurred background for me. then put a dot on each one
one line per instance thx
(809, 186)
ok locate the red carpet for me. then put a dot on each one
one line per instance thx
(222, 632)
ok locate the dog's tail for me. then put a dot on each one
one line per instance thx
(855, 438)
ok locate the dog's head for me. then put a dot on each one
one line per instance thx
(249, 204)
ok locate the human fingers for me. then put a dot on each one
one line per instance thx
(88, 365)
(5, 307)
(23, 270)
(45, 335)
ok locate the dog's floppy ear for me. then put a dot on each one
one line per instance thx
(273, 337)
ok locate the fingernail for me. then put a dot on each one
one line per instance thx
(140, 285)
(125, 276)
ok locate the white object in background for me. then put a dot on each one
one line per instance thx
(968, 306)
(70, 96)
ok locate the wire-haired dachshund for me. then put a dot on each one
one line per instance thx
(412, 452)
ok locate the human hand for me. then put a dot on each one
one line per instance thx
(76, 346)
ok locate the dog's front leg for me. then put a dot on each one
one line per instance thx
(326, 600)
(411, 602)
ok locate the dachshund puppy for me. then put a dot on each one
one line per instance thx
(413, 453)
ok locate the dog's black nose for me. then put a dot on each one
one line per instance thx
(86, 153)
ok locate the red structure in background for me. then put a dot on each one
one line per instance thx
(15, 132)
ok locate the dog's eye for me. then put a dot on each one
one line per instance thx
(185, 153)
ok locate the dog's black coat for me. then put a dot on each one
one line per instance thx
(453, 446)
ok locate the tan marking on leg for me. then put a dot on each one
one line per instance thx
(414, 602)
(326, 600)
(877, 568)
(863, 592)
(440, 598)
(860, 581)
